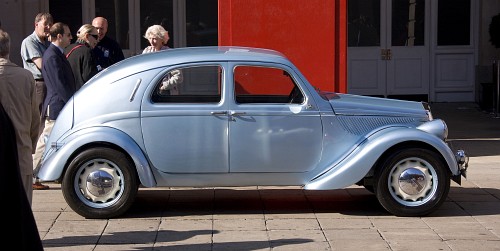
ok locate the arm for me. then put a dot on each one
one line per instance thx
(38, 62)
(30, 52)
(172, 79)
(147, 49)
(119, 55)
(89, 66)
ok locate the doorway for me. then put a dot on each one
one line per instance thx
(388, 48)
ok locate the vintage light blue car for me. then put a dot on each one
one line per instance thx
(235, 116)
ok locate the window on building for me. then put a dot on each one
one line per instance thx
(408, 23)
(454, 22)
(363, 23)
(156, 12)
(116, 12)
(72, 17)
(201, 23)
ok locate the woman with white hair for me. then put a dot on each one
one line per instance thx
(80, 55)
(158, 38)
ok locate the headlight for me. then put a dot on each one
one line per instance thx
(437, 127)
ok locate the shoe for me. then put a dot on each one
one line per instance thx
(40, 186)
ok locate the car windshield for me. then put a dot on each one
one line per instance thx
(326, 95)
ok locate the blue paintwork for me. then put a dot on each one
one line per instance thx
(329, 141)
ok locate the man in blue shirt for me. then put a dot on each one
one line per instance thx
(32, 49)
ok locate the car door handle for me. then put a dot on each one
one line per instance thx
(219, 113)
(233, 113)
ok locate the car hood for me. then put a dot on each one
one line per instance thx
(356, 105)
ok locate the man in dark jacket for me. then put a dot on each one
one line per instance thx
(107, 51)
(59, 80)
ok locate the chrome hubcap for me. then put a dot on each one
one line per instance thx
(100, 183)
(412, 182)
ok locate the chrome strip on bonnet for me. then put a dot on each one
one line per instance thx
(135, 90)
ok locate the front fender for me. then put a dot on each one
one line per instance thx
(58, 156)
(358, 163)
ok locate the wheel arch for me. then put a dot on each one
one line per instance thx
(404, 145)
(57, 163)
(353, 168)
(96, 144)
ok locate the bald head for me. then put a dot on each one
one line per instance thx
(101, 24)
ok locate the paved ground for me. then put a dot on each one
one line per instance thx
(277, 218)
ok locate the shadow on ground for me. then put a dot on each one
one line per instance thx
(461, 201)
(173, 238)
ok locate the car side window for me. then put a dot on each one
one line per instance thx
(258, 84)
(195, 84)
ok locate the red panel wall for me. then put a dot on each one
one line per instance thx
(312, 34)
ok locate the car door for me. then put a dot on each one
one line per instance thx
(185, 131)
(273, 126)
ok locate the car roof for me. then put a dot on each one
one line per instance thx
(208, 53)
(147, 61)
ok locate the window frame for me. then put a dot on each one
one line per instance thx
(268, 99)
(158, 98)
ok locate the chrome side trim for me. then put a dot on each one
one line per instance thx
(134, 91)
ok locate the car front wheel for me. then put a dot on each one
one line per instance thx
(100, 183)
(412, 182)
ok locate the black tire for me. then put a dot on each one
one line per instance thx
(412, 182)
(100, 183)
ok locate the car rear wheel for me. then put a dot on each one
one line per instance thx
(412, 182)
(100, 183)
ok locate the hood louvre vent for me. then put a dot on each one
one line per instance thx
(364, 124)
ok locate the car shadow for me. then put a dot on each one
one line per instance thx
(269, 203)
(352, 201)
(173, 241)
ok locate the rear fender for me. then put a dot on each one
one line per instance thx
(57, 159)
(359, 162)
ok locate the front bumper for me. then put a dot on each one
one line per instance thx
(463, 164)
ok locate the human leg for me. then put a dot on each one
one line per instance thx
(40, 148)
